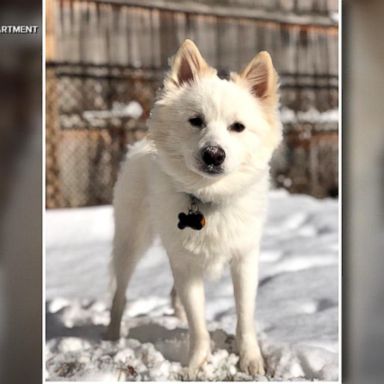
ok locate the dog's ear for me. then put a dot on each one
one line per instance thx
(187, 64)
(262, 78)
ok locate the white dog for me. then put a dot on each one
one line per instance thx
(200, 181)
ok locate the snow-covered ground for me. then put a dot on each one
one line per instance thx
(297, 303)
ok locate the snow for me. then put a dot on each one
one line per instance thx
(132, 110)
(312, 115)
(297, 303)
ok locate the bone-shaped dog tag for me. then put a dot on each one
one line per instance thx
(194, 220)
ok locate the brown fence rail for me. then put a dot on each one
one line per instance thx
(107, 60)
(125, 33)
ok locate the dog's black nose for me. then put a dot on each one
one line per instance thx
(213, 155)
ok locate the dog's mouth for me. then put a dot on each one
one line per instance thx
(209, 170)
(212, 170)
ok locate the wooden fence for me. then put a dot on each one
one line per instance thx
(103, 54)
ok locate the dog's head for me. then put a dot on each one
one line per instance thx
(215, 135)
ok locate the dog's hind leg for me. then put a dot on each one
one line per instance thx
(178, 306)
(123, 268)
(133, 236)
(126, 255)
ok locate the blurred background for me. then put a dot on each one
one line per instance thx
(363, 190)
(20, 195)
(106, 60)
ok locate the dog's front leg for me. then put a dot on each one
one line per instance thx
(245, 280)
(190, 288)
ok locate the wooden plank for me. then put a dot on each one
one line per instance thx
(227, 32)
(333, 45)
(271, 41)
(134, 38)
(90, 35)
(110, 34)
(257, 13)
(66, 32)
(168, 39)
(50, 30)
(246, 42)
(119, 39)
(144, 34)
(180, 27)
(205, 33)
(155, 38)
(286, 62)
(287, 6)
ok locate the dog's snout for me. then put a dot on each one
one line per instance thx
(213, 155)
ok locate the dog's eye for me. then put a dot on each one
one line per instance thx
(237, 127)
(197, 121)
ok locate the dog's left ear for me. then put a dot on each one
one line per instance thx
(187, 64)
(262, 78)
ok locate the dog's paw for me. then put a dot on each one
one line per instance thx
(252, 362)
(198, 356)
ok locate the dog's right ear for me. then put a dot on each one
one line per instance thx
(187, 64)
(262, 78)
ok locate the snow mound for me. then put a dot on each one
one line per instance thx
(297, 303)
(156, 350)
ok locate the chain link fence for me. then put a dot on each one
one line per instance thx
(94, 112)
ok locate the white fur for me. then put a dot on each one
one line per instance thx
(153, 188)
